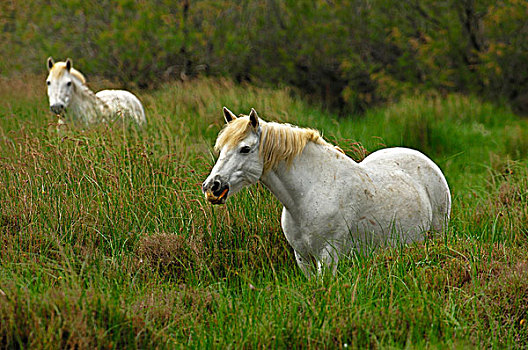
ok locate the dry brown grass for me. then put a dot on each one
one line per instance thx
(171, 254)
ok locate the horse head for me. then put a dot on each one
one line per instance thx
(239, 163)
(60, 84)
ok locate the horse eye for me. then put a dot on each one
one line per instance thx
(68, 83)
(245, 149)
(48, 82)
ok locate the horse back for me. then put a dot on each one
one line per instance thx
(124, 103)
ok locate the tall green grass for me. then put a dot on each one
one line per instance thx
(108, 242)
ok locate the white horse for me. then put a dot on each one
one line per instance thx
(332, 205)
(67, 90)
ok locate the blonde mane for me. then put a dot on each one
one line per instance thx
(59, 68)
(278, 142)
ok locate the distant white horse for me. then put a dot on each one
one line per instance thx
(67, 92)
(332, 204)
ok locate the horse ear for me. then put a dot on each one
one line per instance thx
(254, 118)
(228, 115)
(69, 64)
(50, 63)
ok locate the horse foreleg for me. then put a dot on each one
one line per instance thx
(327, 261)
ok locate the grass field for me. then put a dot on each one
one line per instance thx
(107, 241)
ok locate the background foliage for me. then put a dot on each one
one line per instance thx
(347, 54)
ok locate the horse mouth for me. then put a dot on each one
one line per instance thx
(220, 199)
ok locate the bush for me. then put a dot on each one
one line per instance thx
(347, 55)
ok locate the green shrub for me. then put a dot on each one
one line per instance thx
(347, 56)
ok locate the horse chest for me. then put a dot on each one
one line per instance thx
(311, 230)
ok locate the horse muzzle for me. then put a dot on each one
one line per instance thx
(215, 191)
(57, 108)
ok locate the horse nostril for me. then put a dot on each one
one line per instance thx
(216, 186)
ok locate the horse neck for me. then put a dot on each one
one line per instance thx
(311, 173)
(86, 104)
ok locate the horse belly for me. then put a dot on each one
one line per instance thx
(399, 210)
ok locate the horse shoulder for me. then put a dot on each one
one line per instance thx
(337, 186)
